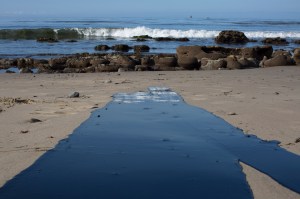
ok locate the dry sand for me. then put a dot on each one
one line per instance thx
(265, 102)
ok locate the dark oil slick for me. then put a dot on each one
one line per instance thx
(153, 145)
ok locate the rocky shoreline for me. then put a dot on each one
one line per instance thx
(185, 58)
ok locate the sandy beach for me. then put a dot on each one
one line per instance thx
(264, 102)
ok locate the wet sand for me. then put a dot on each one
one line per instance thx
(263, 102)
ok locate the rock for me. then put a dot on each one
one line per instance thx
(121, 48)
(98, 61)
(102, 47)
(71, 41)
(232, 113)
(207, 64)
(184, 39)
(141, 48)
(166, 62)
(25, 70)
(122, 61)
(57, 63)
(231, 37)
(142, 68)
(297, 56)
(297, 41)
(279, 60)
(106, 68)
(275, 41)
(198, 52)
(74, 95)
(142, 37)
(40, 63)
(25, 62)
(281, 52)
(90, 69)
(45, 39)
(147, 61)
(257, 52)
(6, 63)
(297, 140)
(34, 120)
(248, 63)
(189, 63)
(81, 62)
(233, 63)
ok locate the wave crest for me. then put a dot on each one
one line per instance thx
(78, 33)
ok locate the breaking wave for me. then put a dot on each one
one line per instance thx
(78, 33)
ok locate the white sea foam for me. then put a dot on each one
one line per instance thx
(152, 32)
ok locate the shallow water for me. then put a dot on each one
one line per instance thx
(153, 145)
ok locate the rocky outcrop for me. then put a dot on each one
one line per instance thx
(258, 52)
(297, 56)
(165, 63)
(279, 60)
(183, 39)
(198, 52)
(231, 37)
(82, 62)
(102, 48)
(6, 63)
(188, 63)
(25, 62)
(281, 52)
(122, 61)
(121, 48)
(207, 64)
(141, 48)
(57, 63)
(275, 41)
(233, 62)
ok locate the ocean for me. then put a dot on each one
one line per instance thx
(18, 35)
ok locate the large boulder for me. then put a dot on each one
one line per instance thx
(97, 61)
(188, 63)
(82, 62)
(198, 52)
(147, 61)
(233, 62)
(231, 37)
(207, 64)
(165, 63)
(122, 61)
(106, 68)
(102, 48)
(279, 60)
(141, 48)
(275, 41)
(257, 52)
(281, 52)
(57, 63)
(297, 56)
(25, 62)
(121, 48)
(6, 63)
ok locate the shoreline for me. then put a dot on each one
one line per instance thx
(267, 108)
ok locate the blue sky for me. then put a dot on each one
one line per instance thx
(136, 8)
